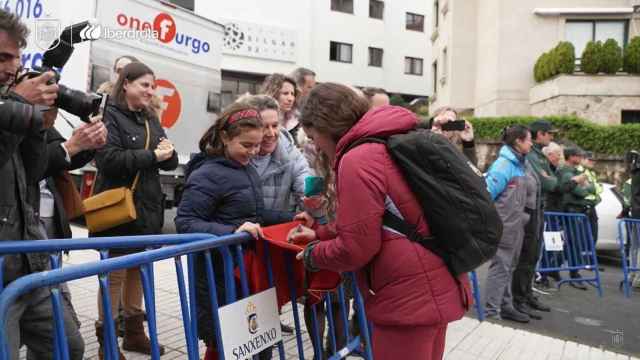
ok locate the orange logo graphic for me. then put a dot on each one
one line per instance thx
(165, 26)
(171, 102)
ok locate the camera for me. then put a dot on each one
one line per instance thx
(79, 103)
(457, 125)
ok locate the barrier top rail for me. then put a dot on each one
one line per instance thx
(185, 245)
(98, 243)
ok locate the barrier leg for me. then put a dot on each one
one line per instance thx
(332, 326)
(184, 307)
(288, 261)
(345, 314)
(317, 337)
(362, 320)
(213, 295)
(269, 270)
(60, 338)
(476, 296)
(110, 340)
(146, 275)
(191, 275)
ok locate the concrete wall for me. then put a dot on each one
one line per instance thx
(597, 98)
(316, 26)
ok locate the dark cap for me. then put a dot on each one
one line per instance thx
(572, 151)
(541, 125)
(589, 155)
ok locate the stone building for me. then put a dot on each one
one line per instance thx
(483, 54)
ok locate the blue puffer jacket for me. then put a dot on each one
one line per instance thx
(219, 196)
(507, 184)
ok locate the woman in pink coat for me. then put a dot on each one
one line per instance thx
(409, 294)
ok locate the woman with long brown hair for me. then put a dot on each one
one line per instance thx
(409, 294)
(137, 148)
(283, 88)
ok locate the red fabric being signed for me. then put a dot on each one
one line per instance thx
(279, 250)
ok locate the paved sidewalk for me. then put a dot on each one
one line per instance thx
(466, 339)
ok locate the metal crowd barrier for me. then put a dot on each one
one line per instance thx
(629, 230)
(191, 245)
(578, 251)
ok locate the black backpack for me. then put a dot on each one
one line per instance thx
(464, 222)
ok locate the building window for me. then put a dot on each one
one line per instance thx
(187, 4)
(412, 66)
(415, 22)
(631, 116)
(376, 9)
(341, 52)
(445, 62)
(345, 6)
(375, 57)
(436, 13)
(580, 32)
(434, 69)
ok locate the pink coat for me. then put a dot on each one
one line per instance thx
(408, 284)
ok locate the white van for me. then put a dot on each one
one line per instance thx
(183, 49)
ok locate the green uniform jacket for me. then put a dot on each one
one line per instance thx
(574, 200)
(541, 166)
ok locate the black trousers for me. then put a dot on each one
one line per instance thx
(522, 280)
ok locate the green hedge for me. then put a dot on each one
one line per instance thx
(559, 60)
(611, 57)
(606, 140)
(632, 56)
(591, 61)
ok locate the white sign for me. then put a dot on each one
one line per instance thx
(554, 240)
(259, 41)
(157, 28)
(250, 325)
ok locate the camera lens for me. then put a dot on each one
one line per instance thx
(78, 103)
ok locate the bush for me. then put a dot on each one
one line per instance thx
(398, 100)
(632, 56)
(587, 135)
(566, 54)
(560, 60)
(611, 57)
(592, 58)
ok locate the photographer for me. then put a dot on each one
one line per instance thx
(463, 139)
(23, 163)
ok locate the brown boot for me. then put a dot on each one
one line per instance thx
(99, 335)
(134, 337)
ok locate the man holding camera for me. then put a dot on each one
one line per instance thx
(25, 116)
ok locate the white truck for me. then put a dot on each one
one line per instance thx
(183, 49)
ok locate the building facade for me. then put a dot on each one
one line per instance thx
(358, 42)
(484, 53)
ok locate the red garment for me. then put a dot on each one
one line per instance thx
(418, 342)
(258, 278)
(412, 285)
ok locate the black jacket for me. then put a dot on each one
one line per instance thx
(57, 163)
(22, 164)
(122, 157)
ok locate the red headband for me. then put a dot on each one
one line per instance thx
(244, 114)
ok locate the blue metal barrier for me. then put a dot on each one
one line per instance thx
(578, 251)
(629, 229)
(476, 295)
(185, 244)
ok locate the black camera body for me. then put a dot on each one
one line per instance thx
(83, 105)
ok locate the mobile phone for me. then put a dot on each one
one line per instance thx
(103, 104)
(313, 185)
(457, 125)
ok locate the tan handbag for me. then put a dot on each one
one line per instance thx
(113, 207)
